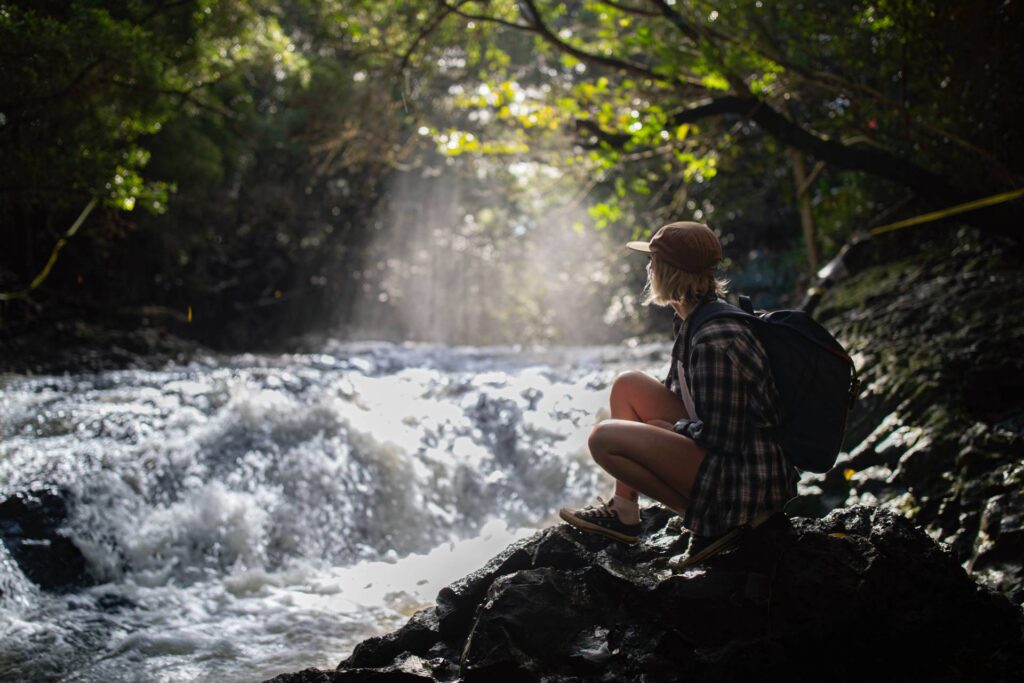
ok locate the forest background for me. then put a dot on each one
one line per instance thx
(244, 173)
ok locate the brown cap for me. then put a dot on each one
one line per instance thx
(693, 247)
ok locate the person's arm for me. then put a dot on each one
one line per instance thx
(720, 398)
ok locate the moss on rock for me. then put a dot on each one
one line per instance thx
(936, 337)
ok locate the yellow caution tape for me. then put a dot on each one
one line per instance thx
(951, 211)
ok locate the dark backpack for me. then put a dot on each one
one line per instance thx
(815, 378)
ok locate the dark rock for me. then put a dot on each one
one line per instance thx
(935, 334)
(994, 391)
(418, 635)
(455, 602)
(532, 621)
(862, 593)
(410, 670)
(921, 468)
(556, 547)
(1001, 544)
(59, 343)
(31, 527)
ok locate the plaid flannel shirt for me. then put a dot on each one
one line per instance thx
(744, 471)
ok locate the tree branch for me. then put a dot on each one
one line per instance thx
(613, 140)
(187, 95)
(541, 29)
(677, 19)
(430, 27)
(824, 79)
(39, 279)
(704, 33)
(485, 18)
(629, 9)
(536, 25)
(877, 162)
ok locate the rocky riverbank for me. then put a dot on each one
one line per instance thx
(861, 593)
(930, 485)
(72, 346)
(938, 432)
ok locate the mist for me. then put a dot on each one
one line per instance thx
(457, 260)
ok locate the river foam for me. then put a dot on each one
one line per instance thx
(250, 515)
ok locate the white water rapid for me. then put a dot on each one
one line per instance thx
(251, 515)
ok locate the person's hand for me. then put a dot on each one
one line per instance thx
(664, 424)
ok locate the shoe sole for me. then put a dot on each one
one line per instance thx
(584, 525)
(726, 541)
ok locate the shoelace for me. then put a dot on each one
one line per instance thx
(602, 510)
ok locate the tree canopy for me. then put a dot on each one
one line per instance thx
(457, 170)
(910, 96)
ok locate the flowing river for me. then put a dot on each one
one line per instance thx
(246, 516)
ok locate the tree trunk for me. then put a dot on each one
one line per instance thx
(803, 198)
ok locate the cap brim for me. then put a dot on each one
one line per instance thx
(639, 246)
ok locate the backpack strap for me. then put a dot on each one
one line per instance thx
(722, 309)
(704, 313)
(708, 312)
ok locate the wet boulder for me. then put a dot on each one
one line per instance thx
(1000, 546)
(31, 524)
(861, 593)
(938, 430)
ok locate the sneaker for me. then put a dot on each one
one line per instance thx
(705, 547)
(601, 519)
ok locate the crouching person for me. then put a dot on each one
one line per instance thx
(701, 442)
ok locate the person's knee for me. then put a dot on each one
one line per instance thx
(598, 441)
(625, 383)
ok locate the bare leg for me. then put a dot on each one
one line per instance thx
(638, 397)
(654, 461)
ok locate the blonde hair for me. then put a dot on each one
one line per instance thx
(666, 283)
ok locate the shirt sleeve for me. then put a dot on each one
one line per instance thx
(720, 399)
